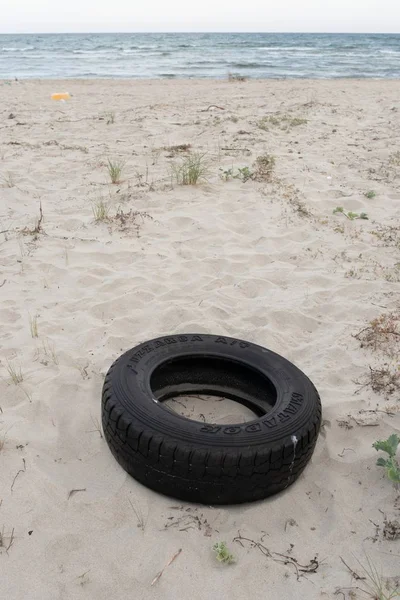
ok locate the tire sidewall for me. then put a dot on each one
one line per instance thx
(295, 405)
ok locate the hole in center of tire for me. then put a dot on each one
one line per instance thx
(210, 409)
(213, 389)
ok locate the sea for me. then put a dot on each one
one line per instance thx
(200, 55)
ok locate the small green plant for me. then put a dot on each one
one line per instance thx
(115, 170)
(244, 174)
(110, 117)
(192, 169)
(100, 211)
(390, 464)
(33, 325)
(222, 554)
(263, 169)
(15, 373)
(370, 194)
(226, 174)
(350, 215)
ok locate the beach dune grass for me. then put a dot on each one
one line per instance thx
(192, 170)
(33, 325)
(15, 373)
(7, 180)
(115, 169)
(100, 211)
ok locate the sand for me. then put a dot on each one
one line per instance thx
(265, 260)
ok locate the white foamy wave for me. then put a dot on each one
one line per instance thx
(12, 49)
(286, 48)
(388, 51)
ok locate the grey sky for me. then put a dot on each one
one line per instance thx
(24, 16)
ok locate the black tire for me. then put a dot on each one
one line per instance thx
(205, 463)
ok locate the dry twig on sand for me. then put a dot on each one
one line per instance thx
(20, 471)
(157, 577)
(301, 570)
(212, 106)
(354, 575)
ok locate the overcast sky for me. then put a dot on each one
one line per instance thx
(24, 16)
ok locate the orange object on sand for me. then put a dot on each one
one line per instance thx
(61, 96)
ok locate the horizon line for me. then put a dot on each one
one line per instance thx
(199, 32)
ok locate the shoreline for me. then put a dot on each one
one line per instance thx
(201, 80)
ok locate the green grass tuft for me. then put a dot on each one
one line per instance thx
(115, 169)
(101, 211)
(192, 170)
(376, 587)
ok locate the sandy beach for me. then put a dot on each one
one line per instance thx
(254, 250)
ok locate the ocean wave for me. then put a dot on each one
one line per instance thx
(103, 47)
(12, 49)
(247, 65)
(100, 53)
(285, 48)
(389, 51)
(316, 48)
(209, 63)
